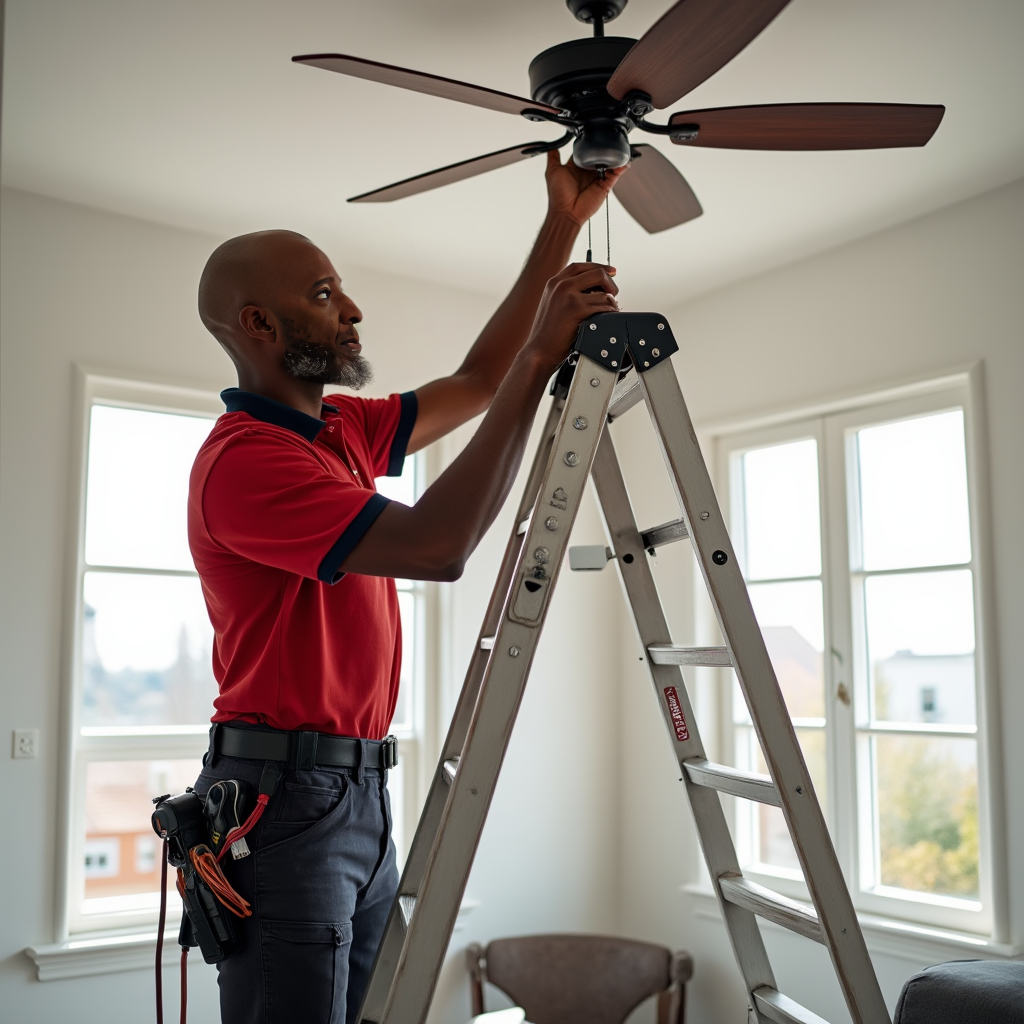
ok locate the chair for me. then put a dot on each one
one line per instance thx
(581, 979)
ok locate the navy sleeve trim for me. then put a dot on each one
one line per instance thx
(400, 442)
(329, 570)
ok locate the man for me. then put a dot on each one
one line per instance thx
(296, 553)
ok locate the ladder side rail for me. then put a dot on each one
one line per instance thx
(500, 693)
(649, 620)
(390, 949)
(770, 717)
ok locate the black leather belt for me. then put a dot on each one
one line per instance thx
(304, 750)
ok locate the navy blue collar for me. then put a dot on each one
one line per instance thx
(269, 410)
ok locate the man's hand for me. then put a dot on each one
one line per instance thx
(576, 193)
(579, 291)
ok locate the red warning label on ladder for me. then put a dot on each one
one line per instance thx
(675, 711)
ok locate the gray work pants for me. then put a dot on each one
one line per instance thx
(320, 879)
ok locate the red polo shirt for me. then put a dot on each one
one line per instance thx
(277, 500)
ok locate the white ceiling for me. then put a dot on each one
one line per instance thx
(191, 113)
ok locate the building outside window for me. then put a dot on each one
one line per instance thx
(142, 685)
(858, 534)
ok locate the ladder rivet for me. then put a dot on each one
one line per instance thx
(655, 352)
(514, 651)
(614, 363)
(542, 555)
(661, 327)
(551, 523)
(719, 557)
(594, 382)
(628, 559)
(604, 353)
(612, 340)
(642, 342)
(704, 515)
(572, 459)
(580, 423)
(646, 363)
(800, 790)
(593, 327)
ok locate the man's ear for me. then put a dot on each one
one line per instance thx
(254, 322)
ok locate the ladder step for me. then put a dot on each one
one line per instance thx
(664, 534)
(406, 907)
(775, 1006)
(798, 917)
(451, 766)
(670, 654)
(749, 785)
(625, 395)
(487, 643)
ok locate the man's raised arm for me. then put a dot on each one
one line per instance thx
(574, 195)
(432, 539)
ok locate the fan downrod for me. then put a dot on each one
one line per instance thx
(596, 12)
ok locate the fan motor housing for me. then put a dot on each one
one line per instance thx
(573, 75)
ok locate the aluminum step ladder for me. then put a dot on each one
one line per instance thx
(592, 389)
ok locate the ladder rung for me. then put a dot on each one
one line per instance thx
(406, 907)
(451, 766)
(664, 534)
(775, 1006)
(487, 643)
(669, 654)
(625, 395)
(798, 917)
(749, 785)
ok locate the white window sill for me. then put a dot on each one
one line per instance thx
(109, 952)
(887, 936)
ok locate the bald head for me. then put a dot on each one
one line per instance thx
(275, 302)
(248, 270)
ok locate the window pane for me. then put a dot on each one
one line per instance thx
(137, 494)
(121, 851)
(400, 488)
(792, 623)
(920, 632)
(772, 844)
(781, 520)
(146, 651)
(927, 811)
(913, 492)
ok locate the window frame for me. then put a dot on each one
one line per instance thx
(116, 743)
(834, 425)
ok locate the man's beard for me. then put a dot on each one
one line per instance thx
(320, 364)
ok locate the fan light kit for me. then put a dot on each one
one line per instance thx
(602, 88)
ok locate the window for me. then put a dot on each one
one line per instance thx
(142, 681)
(857, 539)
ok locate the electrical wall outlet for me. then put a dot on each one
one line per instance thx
(26, 743)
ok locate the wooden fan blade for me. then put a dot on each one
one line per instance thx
(812, 126)
(654, 192)
(688, 44)
(420, 81)
(448, 175)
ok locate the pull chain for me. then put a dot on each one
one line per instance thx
(607, 231)
(590, 244)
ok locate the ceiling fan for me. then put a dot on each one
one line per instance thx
(601, 88)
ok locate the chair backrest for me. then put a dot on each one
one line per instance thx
(584, 979)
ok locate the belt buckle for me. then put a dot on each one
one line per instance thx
(389, 751)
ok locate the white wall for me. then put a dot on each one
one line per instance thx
(81, 286)
(905, 304)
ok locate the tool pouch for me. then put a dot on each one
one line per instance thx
(207, 923)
